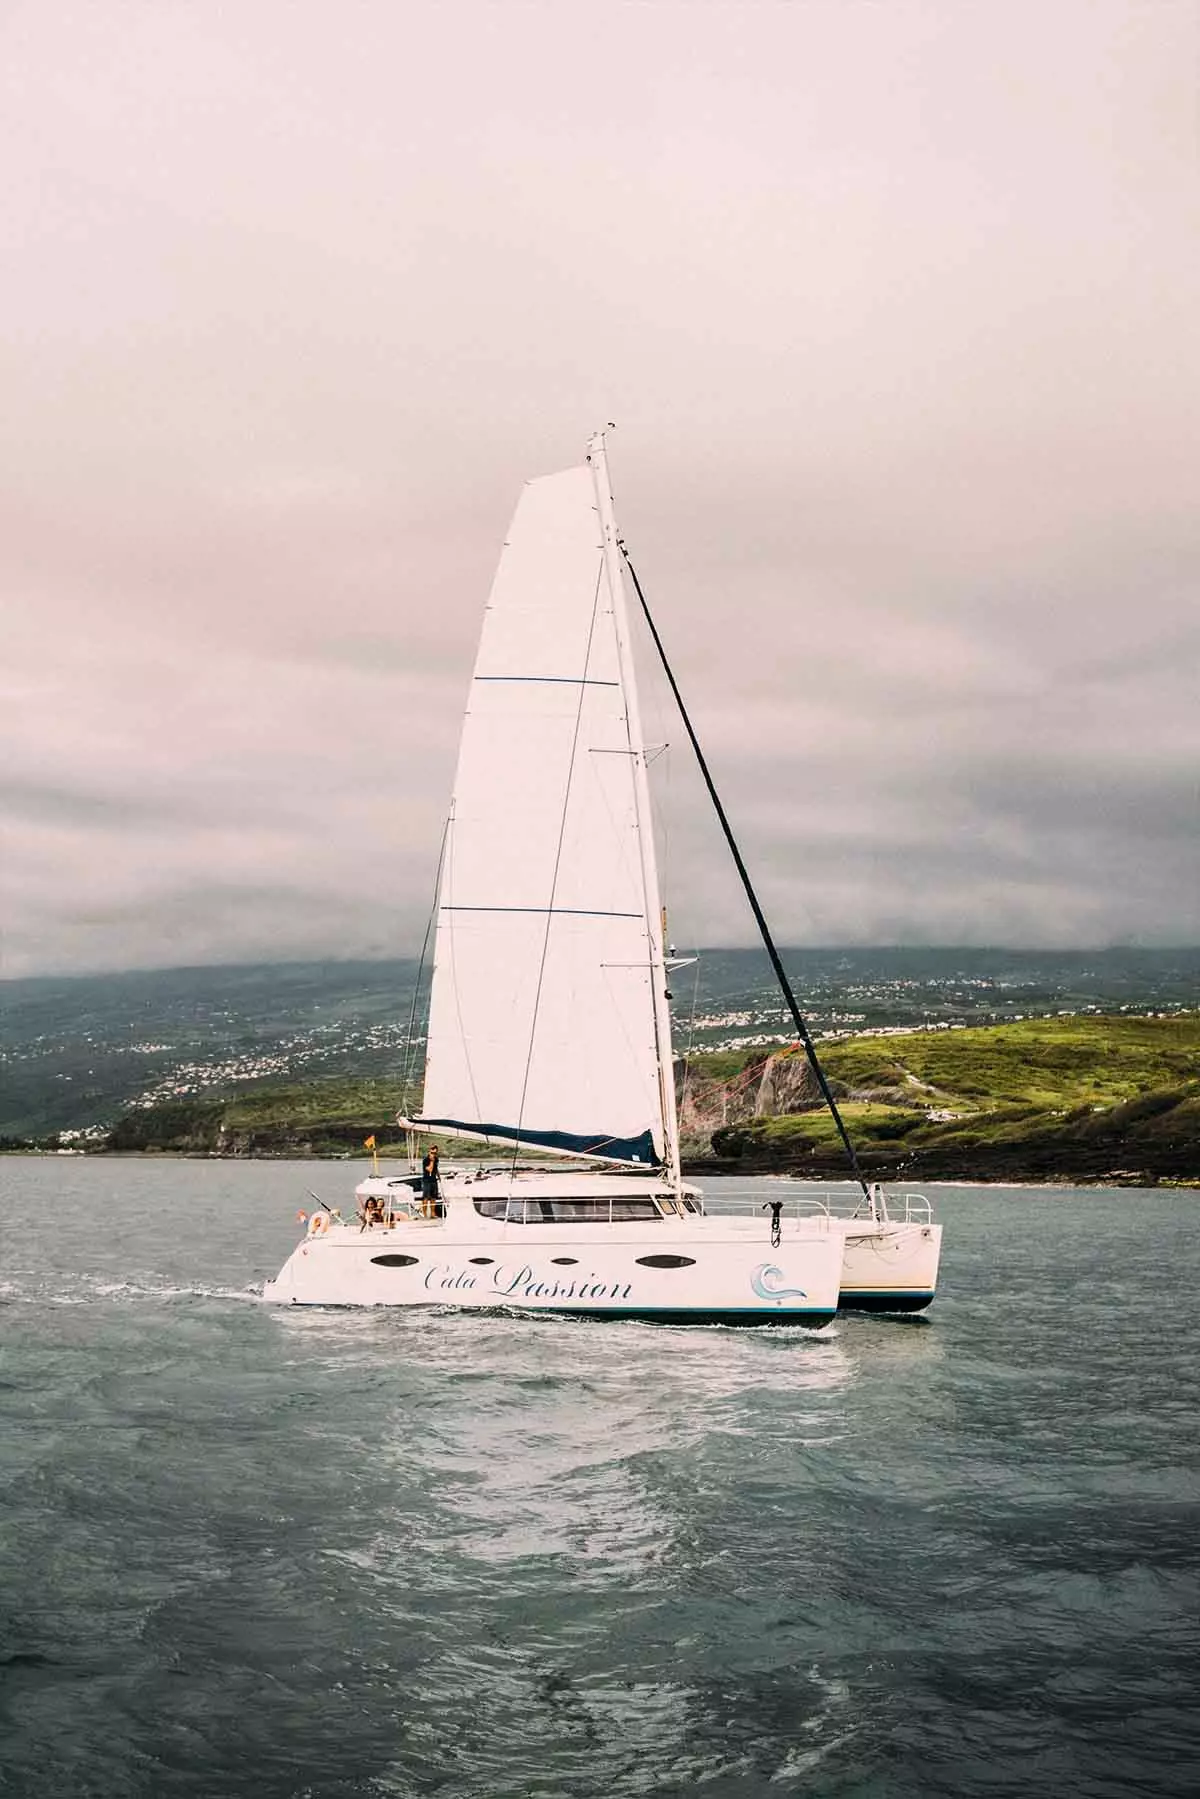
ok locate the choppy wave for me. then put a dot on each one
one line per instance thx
(268, 1552)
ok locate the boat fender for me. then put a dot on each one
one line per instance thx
(318, 1224)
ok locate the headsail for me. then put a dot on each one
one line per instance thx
(547, 1017)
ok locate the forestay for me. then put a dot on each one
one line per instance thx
(546, 1022)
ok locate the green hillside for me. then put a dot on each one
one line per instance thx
(1081, 1098)
(311, 1118)
(1072, 1098)
(1051, 1062)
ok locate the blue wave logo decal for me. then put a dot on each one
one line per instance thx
(767, 1272)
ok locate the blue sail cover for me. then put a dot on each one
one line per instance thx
(639, 1150)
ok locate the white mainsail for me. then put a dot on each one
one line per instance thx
(548, 1020)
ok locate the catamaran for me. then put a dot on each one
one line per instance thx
(549, 1027)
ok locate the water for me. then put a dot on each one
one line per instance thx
(286, 1553)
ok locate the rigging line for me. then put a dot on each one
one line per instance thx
(754, 1069)
(548, 911)
(686, 1060)
(549, 680)
(810, 1048)
(409, 1056)
(692, 1020)
(562, 832)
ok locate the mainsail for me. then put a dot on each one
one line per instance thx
(548, 1022)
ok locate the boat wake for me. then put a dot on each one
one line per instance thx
(92, 1290)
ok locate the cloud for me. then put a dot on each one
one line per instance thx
(895, 309)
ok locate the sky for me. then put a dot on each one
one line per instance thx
(894, 308)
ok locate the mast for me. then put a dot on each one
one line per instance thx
(615, 582)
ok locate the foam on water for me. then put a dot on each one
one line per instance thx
(88, 1289)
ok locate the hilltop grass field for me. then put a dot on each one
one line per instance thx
(1051, 1062)
(1084, 1098)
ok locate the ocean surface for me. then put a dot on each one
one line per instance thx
(246, 1551)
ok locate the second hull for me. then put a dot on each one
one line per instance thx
(889, 1267)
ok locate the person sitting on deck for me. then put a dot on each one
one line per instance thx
(372, 1211)
(429, 1182)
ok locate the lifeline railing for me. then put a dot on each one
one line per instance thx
(896, 1208)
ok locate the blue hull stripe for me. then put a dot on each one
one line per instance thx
(885, 1299)
(810, 1318)
(750, 1316)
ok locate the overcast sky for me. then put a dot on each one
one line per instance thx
(895, 306)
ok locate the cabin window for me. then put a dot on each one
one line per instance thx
(394, 1261)
(635, 1208)
(666, 1261)
(482, 1261)
(565, 1261)
(566, 1211)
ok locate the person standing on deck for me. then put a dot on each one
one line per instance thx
(429, 1181)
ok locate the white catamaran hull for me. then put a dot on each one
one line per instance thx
(675, 1267)
(889, 1267)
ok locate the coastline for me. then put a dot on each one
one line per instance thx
(693, 1170)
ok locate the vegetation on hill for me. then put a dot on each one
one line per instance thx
(77, 1051)
(1081, 1098)
(311, 1118)
(1068, 1098)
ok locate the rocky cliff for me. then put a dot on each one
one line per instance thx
(711, 1098)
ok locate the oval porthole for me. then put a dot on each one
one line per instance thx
(565, 1261)
(482, 1261)
(394, 1261)
(666, 1261)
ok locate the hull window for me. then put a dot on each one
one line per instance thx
(394, 1261)
(565, 1261)
(482, 1261)
(666, 1261)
